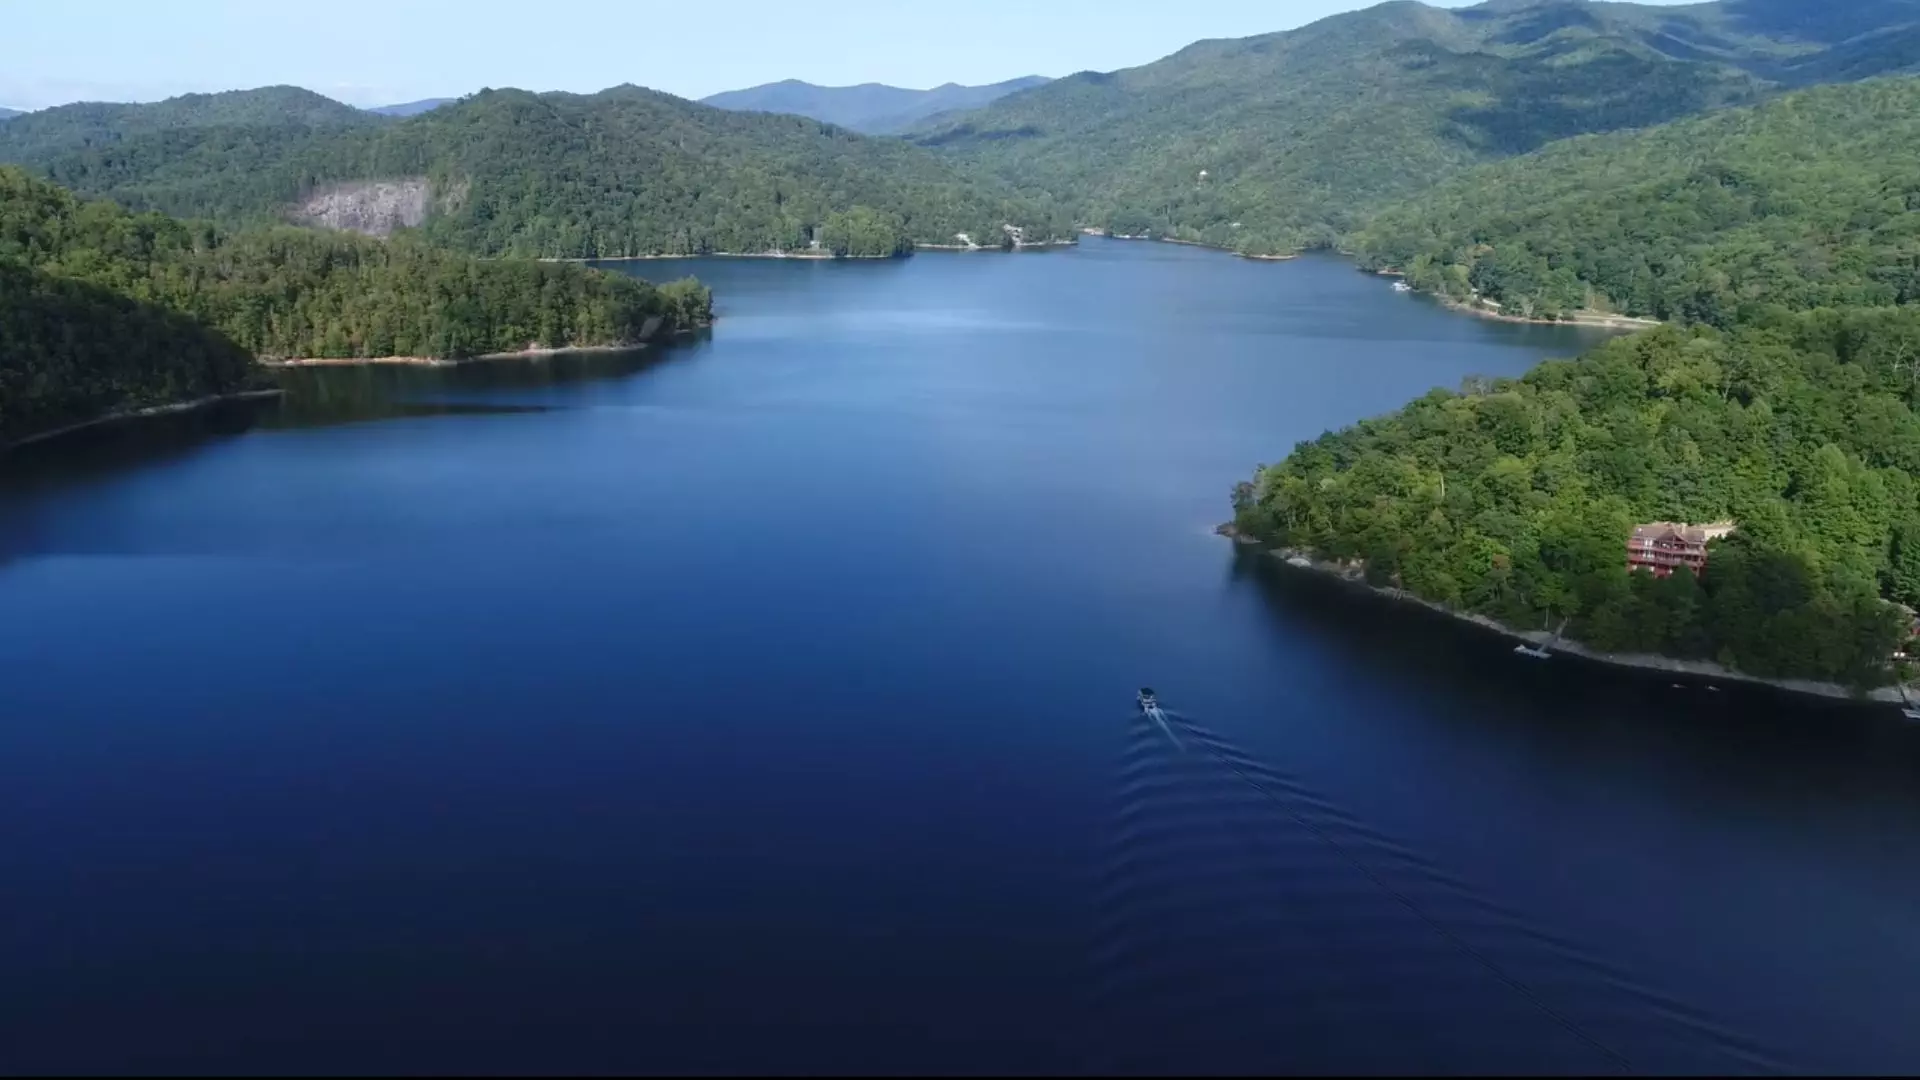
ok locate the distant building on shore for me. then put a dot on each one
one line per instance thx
(1665, 546)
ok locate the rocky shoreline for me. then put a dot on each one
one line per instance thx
(1353, 575)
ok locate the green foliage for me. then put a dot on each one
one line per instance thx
(101, 125)
(1303, 134)
(1809, 200)
(158, 309)
(1514, 498)
(622, 172)
(71, 351)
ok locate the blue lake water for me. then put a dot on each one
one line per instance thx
(765, 703)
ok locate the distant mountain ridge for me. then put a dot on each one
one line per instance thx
(8, 113)
(412, 108)
(1288, 140)
(623, 172)
(871, 108)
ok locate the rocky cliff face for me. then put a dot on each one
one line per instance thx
(373, 207)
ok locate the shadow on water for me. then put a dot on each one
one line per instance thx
(1665, 771)
(1433, 655)
(352, 393)
(316, 397)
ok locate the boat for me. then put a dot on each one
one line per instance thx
(1534, 651)
(1401, 286)
(1150, 708)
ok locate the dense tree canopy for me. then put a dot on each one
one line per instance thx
(1809, 200)
(1293, 139)
(155, 309)
(71, 351)
(622, 172)
(1514, 498)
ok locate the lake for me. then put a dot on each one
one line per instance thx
(765, 702)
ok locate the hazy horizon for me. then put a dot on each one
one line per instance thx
(441, 49)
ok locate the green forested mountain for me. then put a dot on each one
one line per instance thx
(1514, 498)
(102, 309)
(623, 172)
(870, 108)
(1298, 136)
(1805, 201)
(6, 114)
(100, 126)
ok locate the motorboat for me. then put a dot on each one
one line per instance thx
(1150, 708)
(1534, 651)
(1401, 286)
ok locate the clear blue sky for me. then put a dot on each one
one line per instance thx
(376, 52)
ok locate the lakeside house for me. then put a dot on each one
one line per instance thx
(1661, 547)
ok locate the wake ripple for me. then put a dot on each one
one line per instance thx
(1244, 923)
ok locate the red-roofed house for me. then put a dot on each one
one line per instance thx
(1665, 546)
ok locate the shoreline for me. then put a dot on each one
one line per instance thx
(143, 413)
(1090, 231)
(1043, 245)
(534, 353)
(812, 256)
(1653, 662)
(1476, 307)
(1595, 320)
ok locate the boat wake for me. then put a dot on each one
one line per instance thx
(1245, 924)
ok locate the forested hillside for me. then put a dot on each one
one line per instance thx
(102, 309)
(71, 351)
(1514, 498)
(101, 126)
(1294, 139)
(623, 172)
(1808, 200)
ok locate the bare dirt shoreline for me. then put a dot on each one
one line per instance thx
(442, 361)
(135, 414)
(1579, 318)
(815, 255)
(821, 256)
(1354, 577)
(1086, 231)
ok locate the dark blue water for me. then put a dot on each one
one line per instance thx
(765, 703)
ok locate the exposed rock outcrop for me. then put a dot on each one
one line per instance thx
(373, 207)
